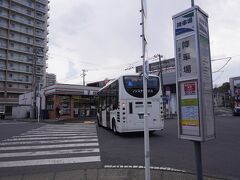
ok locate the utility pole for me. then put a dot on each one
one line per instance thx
(145, 74)
(160, 70)
(192, 3)
(34, 82)
(161, 80)
(83, 75)
(39, 101)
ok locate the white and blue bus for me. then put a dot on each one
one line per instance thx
(121, 108)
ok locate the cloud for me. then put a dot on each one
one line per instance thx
(105, 35)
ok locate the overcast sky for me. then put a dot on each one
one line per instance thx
(103, 36)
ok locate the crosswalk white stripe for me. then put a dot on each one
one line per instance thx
(50, 161)
(47, 142)
(47, 138)
(52, 135)
(48, 146)
(62, 130)
(70, 127)
(58, 132)
(44, 153)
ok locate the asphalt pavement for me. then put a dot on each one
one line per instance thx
(121, 157)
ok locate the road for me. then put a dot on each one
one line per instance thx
(47, 147)
(220, 156)
(57, 147)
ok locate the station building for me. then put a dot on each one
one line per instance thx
(74, 101)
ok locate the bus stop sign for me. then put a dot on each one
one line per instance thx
(194, 75)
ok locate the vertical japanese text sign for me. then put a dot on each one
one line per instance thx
(194, 75)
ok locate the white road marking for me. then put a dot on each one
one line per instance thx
(44, 132)
(44, 153)
(46, 138)
(48, 146)
(9, 123)
(142, 167)
(52, 135)
(47, 142)
(72, 127)
(57, 130)
(50, 161)
(51, 140)
(69, 127)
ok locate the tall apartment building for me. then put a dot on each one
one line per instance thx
(23, 48)
(50, 79)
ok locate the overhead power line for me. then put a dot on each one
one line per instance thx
(229, 58)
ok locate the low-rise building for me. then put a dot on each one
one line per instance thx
(73, 101)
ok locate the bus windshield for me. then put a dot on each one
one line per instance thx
(134, 85)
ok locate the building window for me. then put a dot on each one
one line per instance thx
(28, 39)
(49, 102)
(9, 85)
(26, 86)
(65, 104)
(29, 3)
(12, 44)
(27, 78)
(29, 12)
(10, 75)
(12, 95)
(29, 21)
(28, 49)
(30, 58)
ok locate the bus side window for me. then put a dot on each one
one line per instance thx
(130, 108)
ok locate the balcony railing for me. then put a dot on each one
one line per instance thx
(21, 30)
(43, 1)
(6, 5)
(26, 22)
(22, 80)
(20, 70)
(20, 10)
(22, 41)
(5, 15)
(4, 25)
(27, 61)
(25, 3)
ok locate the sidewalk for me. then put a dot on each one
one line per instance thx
(108, 174)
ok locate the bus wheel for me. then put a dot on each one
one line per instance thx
(114, 127)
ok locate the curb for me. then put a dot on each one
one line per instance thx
(108, 174)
